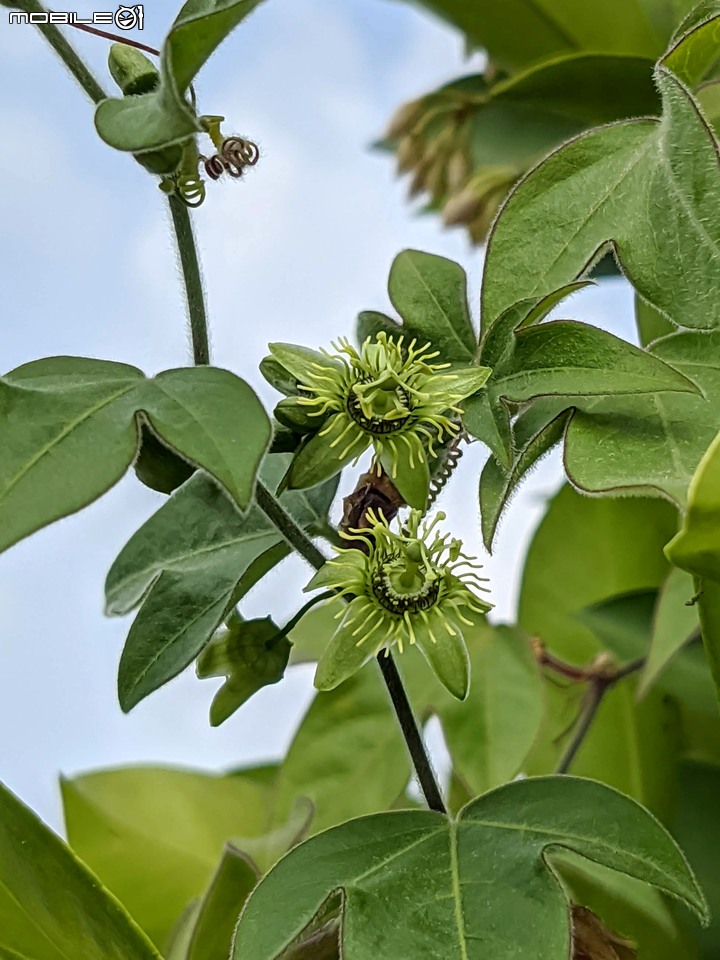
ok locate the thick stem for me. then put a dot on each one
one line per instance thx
(192, 278)
(65, 51)
(418, 754)
(297, 538)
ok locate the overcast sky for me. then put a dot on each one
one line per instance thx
(291, 253)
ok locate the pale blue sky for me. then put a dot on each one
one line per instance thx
(291, 253)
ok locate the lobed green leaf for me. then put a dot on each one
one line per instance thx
(410, 879)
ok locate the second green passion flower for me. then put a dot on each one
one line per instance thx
(388, 395)
(413, 587)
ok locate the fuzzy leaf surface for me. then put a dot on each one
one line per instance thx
(644, 186)
(70, 428)
(430, 294)
(654, 443)
(410, 879)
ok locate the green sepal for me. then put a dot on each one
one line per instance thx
(447, 656)
(302, 362)
(297, 416)
(318, 460)
(412, 480)
(278, 377)
(343, 657)
(332, 572)
(461, 381)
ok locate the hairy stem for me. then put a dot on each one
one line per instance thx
(192, 279)
(298, 539)
(65, 51)
(281, 519)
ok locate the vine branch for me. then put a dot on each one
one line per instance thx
(192, 280)
(600, 676)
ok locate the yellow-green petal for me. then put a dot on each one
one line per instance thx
(302, 362)
(412, 480)
(343, 570)
(461, 382)
(446, 654)
(343, 657)
(338, 443)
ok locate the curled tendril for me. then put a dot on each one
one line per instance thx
(214, 167)
(240, 152)
(190, 188)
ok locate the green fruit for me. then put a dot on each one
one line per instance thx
(159, 467)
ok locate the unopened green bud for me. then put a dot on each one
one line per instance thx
(131, 70)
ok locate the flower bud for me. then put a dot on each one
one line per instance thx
(131, 70)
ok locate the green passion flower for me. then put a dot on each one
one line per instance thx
(389, 395)
(413, 587)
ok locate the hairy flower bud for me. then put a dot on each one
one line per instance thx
(131, 70)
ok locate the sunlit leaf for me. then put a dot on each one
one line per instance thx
(154, 835)
(51, 906)
(585, 550)
(675, 622)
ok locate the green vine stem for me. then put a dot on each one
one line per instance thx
(295, 536)
(192, 280)
(65, 51)
(297, 539)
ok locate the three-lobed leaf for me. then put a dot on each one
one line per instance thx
(411, 881)
(71, 427)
